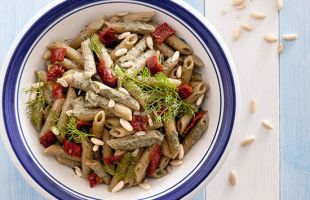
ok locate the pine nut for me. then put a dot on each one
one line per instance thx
(175, 82)
(267, 125)
(135, 152)
(233, 178)
(127, 64)
(247, 141)
(33, 96)
(96, 141)
(179, 72)
(236, 34)
(150, 121)
(290, 37)
(237, 2)
(181, 152)
(199, 100)
(139, 133)
(121, 14)
(69, 113)
(253, 105)
(175, 56)
(125, 124)
(123, 90)
(119, 152)
(118, 187)
(95, 148)
(111, 103)
(123, 35)
(258, 15)
(280, 48)
(62, 82)
(270, 38)
(78, 171)
(176, 162)
(149, 42)
(241, 6)
(120, 52)
(247, 27)
(145, 186)
(55, 130)
(279, 4)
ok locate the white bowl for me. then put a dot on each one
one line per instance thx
(63, 20)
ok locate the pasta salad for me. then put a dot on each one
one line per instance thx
(120, 102)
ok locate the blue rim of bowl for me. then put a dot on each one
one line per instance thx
(15, 64)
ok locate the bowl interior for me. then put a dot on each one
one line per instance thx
(67, 27)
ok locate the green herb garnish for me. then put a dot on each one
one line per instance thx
(74, 133)
(162, 96)
(125, 166)
(55, 118)
(96, 45)
(109, 169)
(36, 106)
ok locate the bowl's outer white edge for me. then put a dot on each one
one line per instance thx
(4, 67)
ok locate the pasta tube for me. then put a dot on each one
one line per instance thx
(172, 137)
(199, 88)
(187, 69)
(136, 51)
(87, 154)
(127, 43)
(139, 17)
(68, 162)
(183, 122)
(179, 45)
(134, 27)
(169, 65)
(57, 150)
(98, 124)
(89, 60)
(142, 164)
(164, 49)
(107, 150)
(140, 62)
(97, 167)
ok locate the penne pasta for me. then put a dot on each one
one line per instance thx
(179, 45)
(87, 154)
(164, 162)
(134, 27)
(197, 61)
(89, 60)
(140, 62)
(112, 122)
(164, 49)
(136, 51)
(136, 92)
(127, 43)
(187, 69)
(68, 162)
(199, 88)
(97, 167)
(119, 132)
(169, 66)
(142, 164)
(98, 124)
(172, 137)
(107, 150)
(139, 17)
(183, 122)
(57, 150)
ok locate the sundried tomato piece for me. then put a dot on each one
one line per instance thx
(107, 36)
(155, 158)
(194, 120)
(57, 91)
(185, 91)
(94, 179)
(112, 159)
(54, 72)
(153, 65)
(48, 139)
(139, 123)
(82, 123)
(71, 148)
(106, 75)
(58, 54)
(162, 32)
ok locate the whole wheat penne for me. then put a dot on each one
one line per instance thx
(46, 111)
(136, 92)
(41, 75)
(55, 110)
(169, 66)
(98, 124)
(196, 77)
(129, 179)
(197, 61)
(136, 51)
(107, 150)
(187, 69)
(89, 60)
(57, 150)
(164, 162)
(118, 132)
(89, 29)
(199, 88)
(68, 64)
(183, 122)
(87, 154)
(97, 167)
(159, 173)
(63, 118)
(71, 53)
(156, 125)
(134, 27)
(142, 164)
(164, 49)
(139, 17)
(68, 162)
(130, 142)
(119, 110)
(197, 131)
(172, 137)
(48, 94)
(165, 149)
(112, 122)
(179, 45)
(127, 43)
(140, 62)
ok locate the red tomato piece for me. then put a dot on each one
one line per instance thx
(139, 123)
(58, 54)
(57, 91)
(107, 36)
(194, 120)
(94, 179)
(162, 32)
(153, 65)
(155, 158)
(81, 123)
(185, 91)
(48, 139)
(112, 159)
(54, 72)
(106, 75)
(72, 148)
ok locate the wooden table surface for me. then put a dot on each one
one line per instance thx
(294, 90)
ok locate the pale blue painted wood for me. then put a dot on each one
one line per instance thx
(294, 105)
(14, 15)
